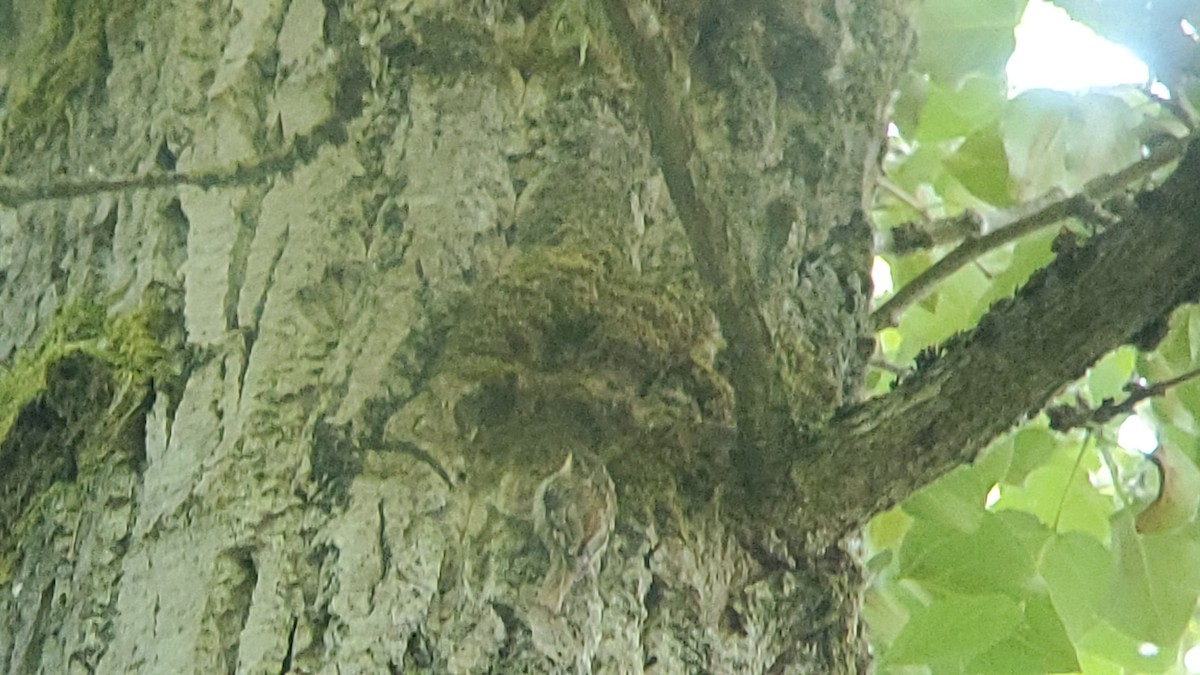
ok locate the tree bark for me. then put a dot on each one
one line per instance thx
(487, 337)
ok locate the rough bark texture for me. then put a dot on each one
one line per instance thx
(461, 387)
(488, 337)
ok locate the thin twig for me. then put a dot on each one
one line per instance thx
(899, 193)
(13, 193)
(1098, 189)
(1064, 417)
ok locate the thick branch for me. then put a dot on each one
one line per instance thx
(1089, 301)
(666, 110)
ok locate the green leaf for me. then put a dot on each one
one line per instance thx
(1188, 394)
(955, 113)
(998, 557)
(920, 165)
(942, 314)
(960, 38)
(1130, 654)
(908, 267)
(1175, 418)
(885, 612)
(954, 629)
(887, 529)
(1057, 483)
(1093, 664)
(1178, 350)
(1039, 644)
(1190, 314)
(981, 165)
(1077, 571)
(1107, 379)
(1153, 596)
(958, 498)
(910, 102)
(1032, 447)
(1058, 140)
(1028, 255)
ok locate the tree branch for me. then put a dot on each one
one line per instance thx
(1079, 415)
(975, 386)
(728, 281)
(1012, 226)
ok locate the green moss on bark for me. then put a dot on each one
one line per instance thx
(572, 349)
(67, 402)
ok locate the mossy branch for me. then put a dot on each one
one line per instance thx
(667, 113)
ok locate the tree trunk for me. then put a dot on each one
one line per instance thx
(468, 350)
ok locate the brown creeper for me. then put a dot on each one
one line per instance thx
(573, 513)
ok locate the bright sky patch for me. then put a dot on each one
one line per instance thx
(1054, 52)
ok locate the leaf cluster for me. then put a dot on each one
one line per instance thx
(1027, 561)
